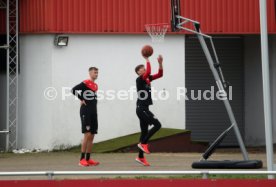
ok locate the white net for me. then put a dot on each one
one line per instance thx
(157, 31)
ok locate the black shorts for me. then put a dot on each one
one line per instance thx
(89, 119)
(145, 116)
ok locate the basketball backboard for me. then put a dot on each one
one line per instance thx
(175, 11)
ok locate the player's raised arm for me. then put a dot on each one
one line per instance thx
(148, 69)
(160, 70)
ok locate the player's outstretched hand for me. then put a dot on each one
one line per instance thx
(146, 58)
(160, 59)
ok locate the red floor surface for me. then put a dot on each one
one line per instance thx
(141, 183)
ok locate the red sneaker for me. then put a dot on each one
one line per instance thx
(144, 147)
(83, 163)
(142, 161)
(92, 162)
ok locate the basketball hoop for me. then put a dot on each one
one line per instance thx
(157, 31)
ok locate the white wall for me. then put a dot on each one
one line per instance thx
(35, 124)
(48, 124)
(254, 116)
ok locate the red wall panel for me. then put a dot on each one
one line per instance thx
(130, 16)
(91, 16)
(228, 16)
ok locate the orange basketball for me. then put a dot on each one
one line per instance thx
(147, 51)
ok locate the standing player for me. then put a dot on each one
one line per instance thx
(86, 92)
(146, 117)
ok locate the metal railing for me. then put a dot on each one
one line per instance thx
(204, 174)
(4, 47)
(4, 132)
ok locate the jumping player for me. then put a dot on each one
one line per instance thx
(86, 92)
(146, 117)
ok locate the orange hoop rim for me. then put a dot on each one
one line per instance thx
(157, 24)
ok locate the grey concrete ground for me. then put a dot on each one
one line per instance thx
(66, 161)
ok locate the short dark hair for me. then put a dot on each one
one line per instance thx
(139, 67)
(93, 68)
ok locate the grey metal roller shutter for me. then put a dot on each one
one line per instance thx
(3, 88)
(207, 119)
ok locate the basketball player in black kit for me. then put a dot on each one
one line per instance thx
(146, 117)
(86, 92)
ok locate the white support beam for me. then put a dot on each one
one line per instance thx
(266, 87)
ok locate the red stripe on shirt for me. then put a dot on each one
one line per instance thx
(91, 85)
